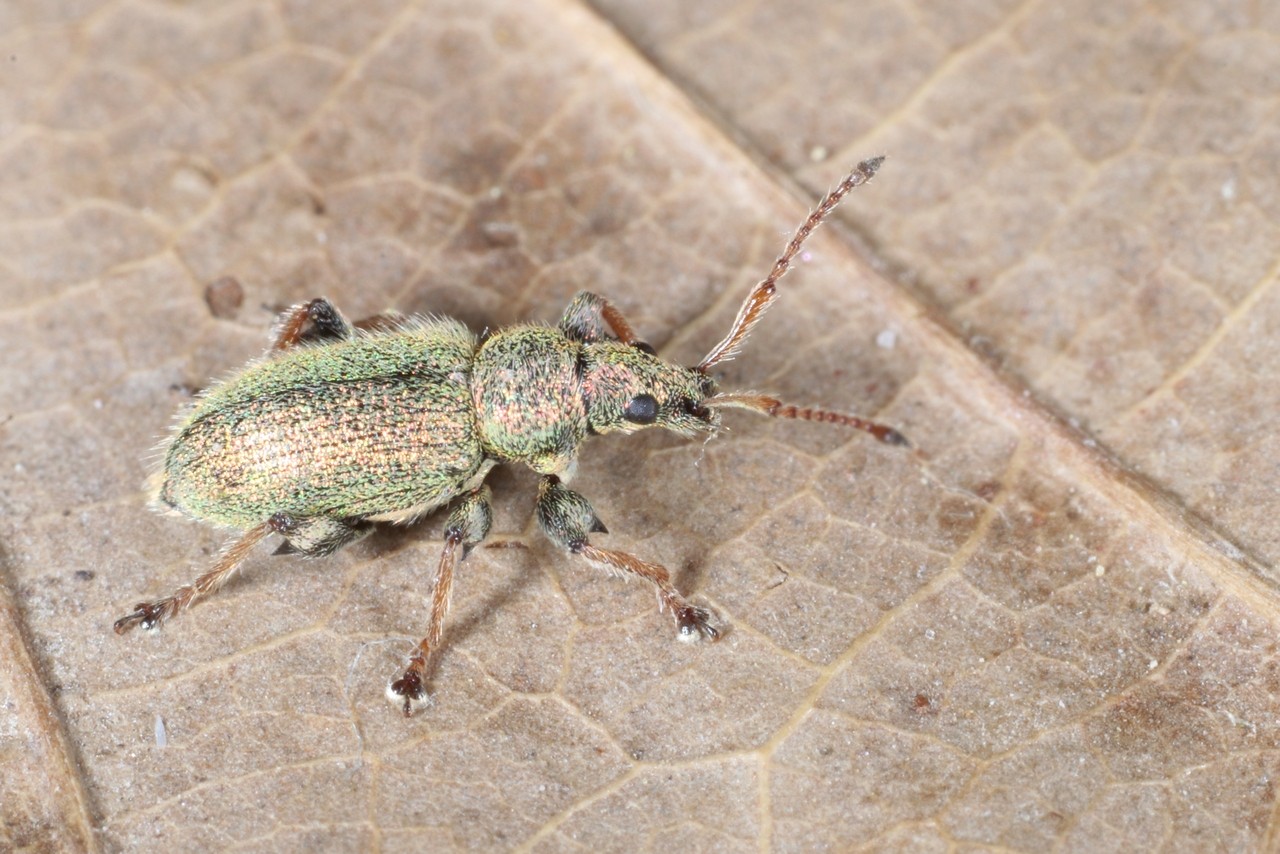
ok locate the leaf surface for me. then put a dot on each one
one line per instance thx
(1049, 623)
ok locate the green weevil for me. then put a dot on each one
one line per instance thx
(338, 428)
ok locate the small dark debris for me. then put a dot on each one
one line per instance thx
(781, 581)
(988, 490)
(224, 297)
(923, 704)
(84, 575)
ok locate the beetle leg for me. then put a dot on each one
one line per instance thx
(311, 537)
(319, 535)
(151, 614)
(468, 524)
(316, 321)
(587, 316)
(567, 518)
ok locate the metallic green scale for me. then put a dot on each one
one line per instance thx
(376, 426)
(527, 386)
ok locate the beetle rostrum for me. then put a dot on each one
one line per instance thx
(338, 428)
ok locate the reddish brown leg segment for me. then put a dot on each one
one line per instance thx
(567, 518)
(590, 317)
(692, 623)
(468, 524)
(409, 691)
(621, 328)
(151, 614)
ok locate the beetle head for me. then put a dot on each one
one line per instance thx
(627, 387)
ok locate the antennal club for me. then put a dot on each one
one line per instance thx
(763, 295)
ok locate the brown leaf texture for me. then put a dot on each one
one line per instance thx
(1051, 623)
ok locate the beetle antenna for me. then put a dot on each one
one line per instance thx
(775, 408)
(763, 295)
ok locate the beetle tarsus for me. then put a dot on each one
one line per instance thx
(149, 615)
(694, 624)
(408, 691)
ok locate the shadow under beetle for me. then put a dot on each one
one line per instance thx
(337, 428)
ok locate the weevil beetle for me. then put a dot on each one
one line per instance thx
(337, 428)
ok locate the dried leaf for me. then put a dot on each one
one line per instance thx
(1051, 622)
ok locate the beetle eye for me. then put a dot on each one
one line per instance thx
(695, 409)
(641, 409)
(644, 347)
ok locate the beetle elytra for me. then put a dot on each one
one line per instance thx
(338, 428)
